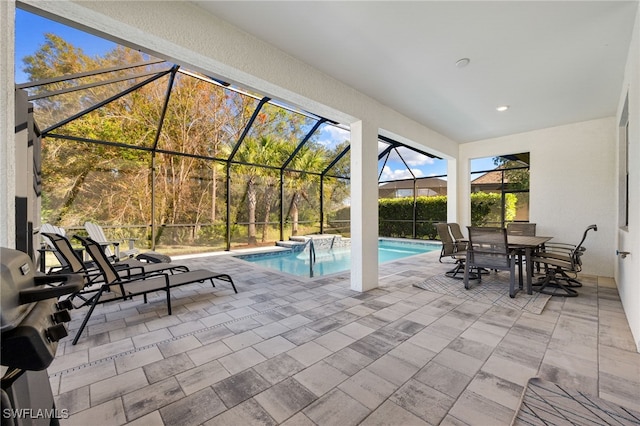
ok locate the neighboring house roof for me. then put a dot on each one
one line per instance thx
(421, 183)
(489, 178)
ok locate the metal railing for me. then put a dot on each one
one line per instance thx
(312, 255)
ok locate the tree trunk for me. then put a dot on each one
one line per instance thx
(294, 214)
(265, 225)
(214, 189)
(71, 198)
(252, 202)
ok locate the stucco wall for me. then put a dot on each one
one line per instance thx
(573, 184)
(7, 124)
(627, 272)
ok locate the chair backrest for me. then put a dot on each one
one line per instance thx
(47, 228)
(458, 236)
(63, 246)
(101, 259)
(579, 250)
(584, 236)
(96, 233)
(448, 245)
(456, 232)
(521, 228)
(52, 229)
(488, 248)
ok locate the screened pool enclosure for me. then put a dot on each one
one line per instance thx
(183, 162)
(178, 159)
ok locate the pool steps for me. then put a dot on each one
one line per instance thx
(320, 241)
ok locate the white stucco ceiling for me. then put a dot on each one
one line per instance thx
(554, 62)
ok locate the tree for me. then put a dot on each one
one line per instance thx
(516, 172)
(106, 174)
(310, 158)
(255, 152)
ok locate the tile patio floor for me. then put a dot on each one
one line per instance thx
(313, 352)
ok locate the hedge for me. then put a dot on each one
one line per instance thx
(395, 215)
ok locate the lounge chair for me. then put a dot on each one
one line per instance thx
(47, 228)
(130, 268)
(127, 267)
(96, 233)
(114, 287)
(562, 262)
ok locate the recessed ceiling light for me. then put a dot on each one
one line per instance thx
(502, 108)
(461, 63)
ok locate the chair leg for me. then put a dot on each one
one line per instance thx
(459, 269)
(571, 282)
(455, 271)
(466, 275)
(228, 277)
(87, 316)
(552, 285)
(512, 279)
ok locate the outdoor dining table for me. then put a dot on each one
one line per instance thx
(528, 244)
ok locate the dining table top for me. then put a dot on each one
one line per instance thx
(526, 240)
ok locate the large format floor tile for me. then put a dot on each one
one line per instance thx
(296, 351)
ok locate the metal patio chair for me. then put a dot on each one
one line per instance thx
(521, 228)
(488, 249)
(450, 250)
(130, 268)
(458, 236)
(561, 262)
(115, 287)
(524, 229)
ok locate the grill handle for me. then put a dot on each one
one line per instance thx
(73, 283)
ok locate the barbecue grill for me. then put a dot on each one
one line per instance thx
(31, 324)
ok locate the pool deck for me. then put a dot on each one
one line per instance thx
(296, 351)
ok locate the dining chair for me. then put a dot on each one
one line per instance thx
(562, 262)
(488, 249)
(458, 236)
(526, 229)
(521, 228)
(450, 250)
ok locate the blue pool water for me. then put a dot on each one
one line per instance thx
(336, 259)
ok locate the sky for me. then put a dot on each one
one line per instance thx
(30, 30)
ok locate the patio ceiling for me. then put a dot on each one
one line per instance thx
(553, 63)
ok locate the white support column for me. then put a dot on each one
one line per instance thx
(463, 186)
(7, 125)
(453, 212)
(364, 206)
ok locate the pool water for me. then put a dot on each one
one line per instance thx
(336, 259)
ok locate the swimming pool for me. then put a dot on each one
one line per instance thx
(336, 259)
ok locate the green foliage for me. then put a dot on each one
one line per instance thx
(485, 208)
(395, 216)
(516, 173)
(112, 185)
